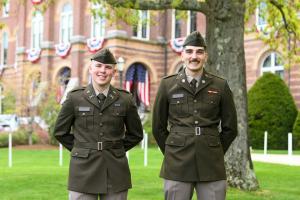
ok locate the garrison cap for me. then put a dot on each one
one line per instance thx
(104, 56)
(194, 39)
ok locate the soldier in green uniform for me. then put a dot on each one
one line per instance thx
(105, 124)
(194, 123)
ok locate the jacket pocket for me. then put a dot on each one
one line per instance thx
(175, 140)
(118, 153)
(80, 152)
(179, 107)
(85, 116)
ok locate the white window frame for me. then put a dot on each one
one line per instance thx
(66, 24)
(4, 46)
(140, 25)
(174, 24)
(98, 23)
(5, 9)
(273, 68)
(37, 27)
(260, 22)
(189, 13)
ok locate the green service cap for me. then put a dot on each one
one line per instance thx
(194, 39)
(104, 56)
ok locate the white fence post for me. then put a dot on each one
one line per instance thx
(60, 154)
(265, 143)
(145, 149)
(290, 144)
(9, 149)
(127, 155)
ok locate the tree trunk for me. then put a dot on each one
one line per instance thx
(225, 41)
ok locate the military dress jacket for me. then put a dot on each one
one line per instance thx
(99, 139)
(186, 126)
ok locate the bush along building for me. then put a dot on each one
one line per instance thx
(50, 50)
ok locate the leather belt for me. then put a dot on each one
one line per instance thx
(100, 145)
(192, 130)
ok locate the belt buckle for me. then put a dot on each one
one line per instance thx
(198, 130)
(100, 146)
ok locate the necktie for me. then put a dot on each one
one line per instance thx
(194, 85)
(101, 98)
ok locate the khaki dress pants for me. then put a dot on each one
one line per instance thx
(176, 190)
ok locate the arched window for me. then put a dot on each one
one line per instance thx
(63, 79)
(273, 63)
(37, 26)
(98, 21)
(138, 83)
(66, 24)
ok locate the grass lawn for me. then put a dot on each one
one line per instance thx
(36, 175)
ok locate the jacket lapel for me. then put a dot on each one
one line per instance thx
(89, 95)
(183, 82)
(112, 96)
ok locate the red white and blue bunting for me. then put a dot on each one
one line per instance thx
(95, 44)
(176, 44)
(62, 49)
(33, 54)
(36, 2)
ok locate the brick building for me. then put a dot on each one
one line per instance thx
(52, 49)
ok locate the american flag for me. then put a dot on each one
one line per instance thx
(138, 73)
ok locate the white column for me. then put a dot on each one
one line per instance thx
(60, 154)
(145, 149)
(290, 144)
(265, 143)
(10, 149)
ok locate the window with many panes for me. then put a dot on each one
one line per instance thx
(5, 9)
(142, 28)
(98, 21)
(261, 16)
(273, 63)
(66, 24)
(191, 22)
(4, 49)
(176, 24)
(37, 30)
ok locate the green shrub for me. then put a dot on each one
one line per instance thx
(270, 108)
(147, 126)
(49, 112)
(19, 137)
(296, 133)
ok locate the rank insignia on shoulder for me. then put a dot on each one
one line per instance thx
(176, 96)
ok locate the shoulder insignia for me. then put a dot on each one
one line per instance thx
(122, 90)
(78, 88)
(172, 75)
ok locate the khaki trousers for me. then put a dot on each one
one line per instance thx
(109, 196)
(176, 190)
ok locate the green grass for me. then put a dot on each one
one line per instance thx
(36, 175)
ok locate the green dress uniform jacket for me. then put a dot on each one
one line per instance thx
(186, 126)
(99, 139)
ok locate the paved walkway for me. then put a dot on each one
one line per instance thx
(277, 158)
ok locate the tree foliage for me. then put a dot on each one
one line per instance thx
(296, 133)
(271, 108)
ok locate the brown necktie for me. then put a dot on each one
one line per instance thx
(101, 98)
(194, 85)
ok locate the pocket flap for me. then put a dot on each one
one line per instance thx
(176, 140)
(80, 152)
(180, 100)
